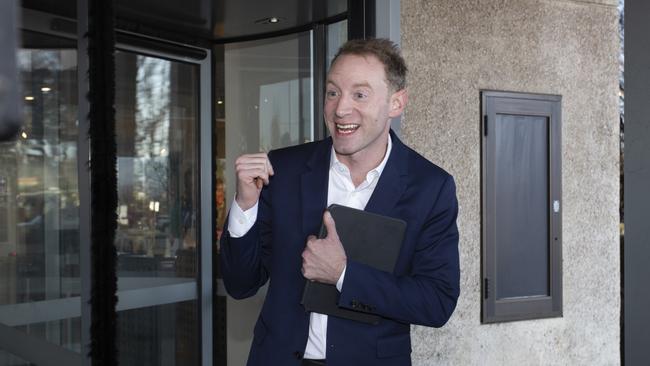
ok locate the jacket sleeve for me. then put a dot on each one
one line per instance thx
(244, 261)
(428, 294)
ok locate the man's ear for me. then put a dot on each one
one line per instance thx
(397, 103)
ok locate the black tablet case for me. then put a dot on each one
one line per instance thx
(368, 238)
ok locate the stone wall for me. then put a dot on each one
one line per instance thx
(457, 48)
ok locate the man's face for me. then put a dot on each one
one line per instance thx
(359, 106)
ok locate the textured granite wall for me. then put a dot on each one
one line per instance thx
(455, 49)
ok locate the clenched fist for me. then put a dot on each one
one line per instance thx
(253, 172)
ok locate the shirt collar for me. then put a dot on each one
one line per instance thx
(373, 173)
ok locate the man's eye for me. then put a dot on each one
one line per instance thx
(360, 95)
(331, 94)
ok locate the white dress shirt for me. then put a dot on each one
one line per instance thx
(340, 190)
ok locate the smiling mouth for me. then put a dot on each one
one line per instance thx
(345, 129)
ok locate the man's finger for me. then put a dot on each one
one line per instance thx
(270, 167)
(260, 155)
(253, 173)
(247, 159)
(263, 168)
(260, 159)
(330, 225)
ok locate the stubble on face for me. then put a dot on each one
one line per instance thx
(356, 109)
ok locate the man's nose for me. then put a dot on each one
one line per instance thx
(343, 107)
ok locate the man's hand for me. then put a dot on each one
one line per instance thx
(323, 260)
(253, 172)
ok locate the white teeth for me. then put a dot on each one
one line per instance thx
(347, 127)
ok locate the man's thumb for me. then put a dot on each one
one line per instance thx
(330, 225)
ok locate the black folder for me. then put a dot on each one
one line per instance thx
(368, 238)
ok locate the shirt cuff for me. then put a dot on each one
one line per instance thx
(240, 221)
(339, 283)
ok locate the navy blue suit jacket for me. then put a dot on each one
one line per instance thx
(422, 290)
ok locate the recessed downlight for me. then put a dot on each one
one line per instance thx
(269, 20)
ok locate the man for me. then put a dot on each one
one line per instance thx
(280, 204)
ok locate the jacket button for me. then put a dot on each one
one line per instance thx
(297, 355)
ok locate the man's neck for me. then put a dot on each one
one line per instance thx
(360, 165)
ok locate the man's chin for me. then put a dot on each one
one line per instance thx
(343, 150)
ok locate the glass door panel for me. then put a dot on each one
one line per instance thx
(39, 210)
(157, 119)
(337, 35)
(264, 101)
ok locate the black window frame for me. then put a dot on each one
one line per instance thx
(495, 310)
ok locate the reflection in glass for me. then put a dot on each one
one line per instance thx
(337, 34)
(264, 101)
(160, 335)
(7, 359)
(156, 238)
(268, 99)
(39, 197)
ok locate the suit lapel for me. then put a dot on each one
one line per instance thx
(314, 184)
(392, 181)
(313, 188)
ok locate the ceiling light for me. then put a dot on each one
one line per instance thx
(45, 89)
(23, 135)
(269, 20)
(29, 97)
(219, 101)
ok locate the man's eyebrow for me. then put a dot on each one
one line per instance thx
(362, 85)
(357, 85)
